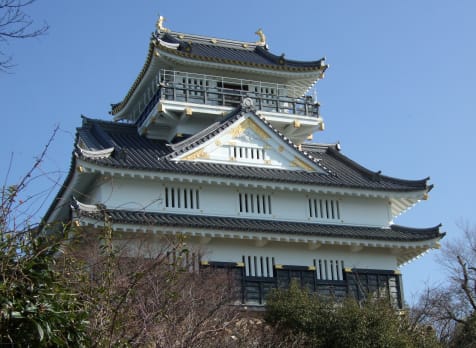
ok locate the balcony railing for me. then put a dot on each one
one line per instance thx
(223, 91)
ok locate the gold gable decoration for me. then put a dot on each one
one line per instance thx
(249, 124)
(199, 154)
(237, 131)
(301, 164)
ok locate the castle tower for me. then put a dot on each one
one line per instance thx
(211, 142)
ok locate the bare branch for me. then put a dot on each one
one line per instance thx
(464, 284)
(15, 23)
(9, 195)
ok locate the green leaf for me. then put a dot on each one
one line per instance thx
(41, 332)
(17, 315)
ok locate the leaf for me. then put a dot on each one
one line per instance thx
(16, 315)
(41, 332)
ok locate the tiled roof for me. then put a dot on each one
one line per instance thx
(133, 151)
(234, 52)
(228, 52)
(393, 233)
(205, 134)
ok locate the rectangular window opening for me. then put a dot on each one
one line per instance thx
(182, 198)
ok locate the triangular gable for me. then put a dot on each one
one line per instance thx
(247, 140)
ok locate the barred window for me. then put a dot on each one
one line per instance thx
(182, 198)
(329, 269)
(254, 203)
(326, 209)
(258, 266)
(247, 153)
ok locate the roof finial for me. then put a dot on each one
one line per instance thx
(160, 25)
(262, 38)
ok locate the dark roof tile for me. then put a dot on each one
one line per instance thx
(140, 153)
(393, 233)
(202, 48)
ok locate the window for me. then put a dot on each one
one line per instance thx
(329, 269)
(379, 283)
(232, 86)
(231, 92)
(247, 153)
(325, 209)
(196, 86)
(183, 260)
(267, 97)
(182, 198)
(258, 266)
(254, 203)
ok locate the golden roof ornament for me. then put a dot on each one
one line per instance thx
(160, 25)
(262, 38)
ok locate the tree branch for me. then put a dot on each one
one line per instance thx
(16, 24)
(465, 285)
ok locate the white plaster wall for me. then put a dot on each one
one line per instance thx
(226, 250)
(290, 206)
(364, 211)
(297, 254)
(219, 201)
(132, 194)
(233, 250)
(149, 195)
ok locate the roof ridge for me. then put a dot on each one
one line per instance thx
(295, 147)
(88, 121)
(208, 132)
(319, 146)
(282, 60)
(246, 45)
(397, 227)
(375, 176)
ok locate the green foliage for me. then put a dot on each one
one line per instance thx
(326, 323)
(465, 334)
(36, 306)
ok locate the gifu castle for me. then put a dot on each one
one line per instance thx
(213, 142)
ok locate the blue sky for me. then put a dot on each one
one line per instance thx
(400, 93)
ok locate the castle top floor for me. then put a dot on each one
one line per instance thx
(209, 76)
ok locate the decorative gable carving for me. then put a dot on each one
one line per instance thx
(248, 141)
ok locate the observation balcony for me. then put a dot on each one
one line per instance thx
(175, 94)
(225, 91)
